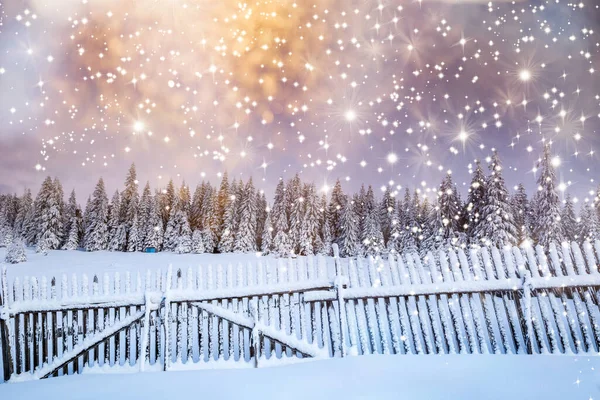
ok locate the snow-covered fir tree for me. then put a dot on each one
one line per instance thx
(349, 241)
(144, 211)
(568, 220)
(96, 233)
(209, 220)
(196, 207)
(117, 233)
(409, 224)
(295, 211)
(310, 237)
(261, 216)
(245, 240)
(16, 252)
(223, 198)
(521, 212)
(475, 203)
(496, 226)
(227, 240)
(387, 212)
(336, 204)
(197, 242)
(178, 235)
(153, 236)
(48, 217)
(266, 243)
(281, 241)
(546, 216)
(167, 200)
(371, 234)
(72, 223)
(589, 226)
(444, 219)
(129, 208)
(326, 229)
(24, 210)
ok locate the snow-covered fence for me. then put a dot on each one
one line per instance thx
(268, 312)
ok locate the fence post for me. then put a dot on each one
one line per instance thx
(527, 289)
(255, 333)
(2, 327)
(6, 352)
(166, 306)
(340, 283)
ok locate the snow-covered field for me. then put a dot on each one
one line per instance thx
(58, 262)
(366, 377)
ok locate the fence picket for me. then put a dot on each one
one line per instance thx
(434, 313)
(493, 266)
(464, 304)
(494, 338)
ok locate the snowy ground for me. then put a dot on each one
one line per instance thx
(366, 377)
(62, 261)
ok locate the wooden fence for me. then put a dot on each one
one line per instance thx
(269, 312)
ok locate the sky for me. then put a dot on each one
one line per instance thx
(378, 92)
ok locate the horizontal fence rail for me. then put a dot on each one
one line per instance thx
(268, 312)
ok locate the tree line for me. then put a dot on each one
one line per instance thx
(235, 217)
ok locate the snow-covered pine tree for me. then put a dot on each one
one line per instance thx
(387, 213)
(71, 233)
(196, 207)
(197, 242)
(371, 235)
(86, 218)
(410, 225)
(521, 213)
(336, 204)
(589, 227)
(178, 235)
(16, 252)
(185, 198)
(267, 235)
(117, 233)
(496, 227)
(72, 242)
(393, 244)
(96, 234)
(568, 220)
(359, 206)
(261, 216)
(129, 207)
(48, 218)
(134, 241)
(6, 230)
(223, 197)
(167, 202)
(295, 211)
(209, 220)
(60, 201)
(546, 205)
(310, 238)
(475, 202)
(326, 229)
(145, 209)
(349, 240)
(245, 240)
(281, 241)
(153, 237)
(444, 221)
(25, 207)
(227, 239)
